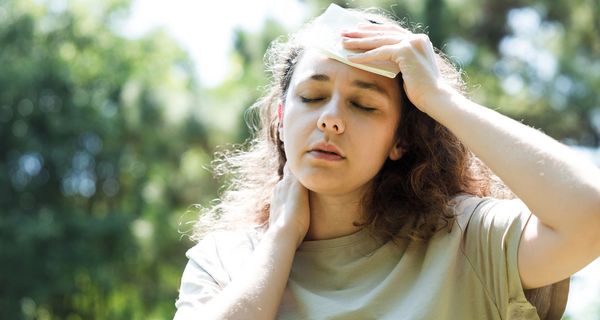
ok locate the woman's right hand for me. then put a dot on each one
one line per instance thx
(256, 293)
(289, 210)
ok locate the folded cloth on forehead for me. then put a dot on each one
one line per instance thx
(325, 36)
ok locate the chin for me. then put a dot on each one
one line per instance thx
(324, 181)
(324, 186)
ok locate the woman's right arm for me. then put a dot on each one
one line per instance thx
(256, 293)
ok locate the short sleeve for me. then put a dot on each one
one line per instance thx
(491, 237)
(198, 285)
(213, 262)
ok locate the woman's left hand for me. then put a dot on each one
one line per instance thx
(412, 52)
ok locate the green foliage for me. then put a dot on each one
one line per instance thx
(245, 86)
(101, 153)
(103, 139)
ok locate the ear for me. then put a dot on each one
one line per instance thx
(397, 151)
(280, 113)
(280, 120)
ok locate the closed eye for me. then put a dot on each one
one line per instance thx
(354, 104)
(363, 108)
(310, 100)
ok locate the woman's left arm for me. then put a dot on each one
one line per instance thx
(559, 187)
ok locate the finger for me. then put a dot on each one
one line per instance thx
(369, 43)
(402, 54)
(284, 177)
(383, 53)
(421, 42)
(357, 33)
(414, 44)
(286, 171)
(382, 27)
(288, 177)
(422, 46)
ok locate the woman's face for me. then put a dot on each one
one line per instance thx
(339, 124)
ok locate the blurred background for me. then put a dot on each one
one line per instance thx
(110, 112)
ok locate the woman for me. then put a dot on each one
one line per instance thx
(363, 196)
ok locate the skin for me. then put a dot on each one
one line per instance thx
(562, 190)
(344, 111)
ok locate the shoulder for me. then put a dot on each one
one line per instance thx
(489, 212)
(221, 253)
(490, 233)
(223, 240)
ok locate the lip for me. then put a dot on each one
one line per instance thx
(326, 151)
(322, 155)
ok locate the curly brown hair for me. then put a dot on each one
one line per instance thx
(409, 198)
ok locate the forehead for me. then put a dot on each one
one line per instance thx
(314, 62)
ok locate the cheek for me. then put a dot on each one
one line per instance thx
(378, 143)
(293, 146)
(296, 124)
(293, 133)
(373, 152)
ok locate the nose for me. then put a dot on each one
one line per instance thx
(331, 119)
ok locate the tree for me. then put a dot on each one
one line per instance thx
(101, 154)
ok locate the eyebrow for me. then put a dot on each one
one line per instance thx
(356, 83)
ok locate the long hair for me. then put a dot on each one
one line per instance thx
(410, 196)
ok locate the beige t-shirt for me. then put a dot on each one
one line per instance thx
(467, 273)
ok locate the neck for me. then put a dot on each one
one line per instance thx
(333, 216)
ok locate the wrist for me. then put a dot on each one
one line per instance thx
(285, 235)
(443, 95)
